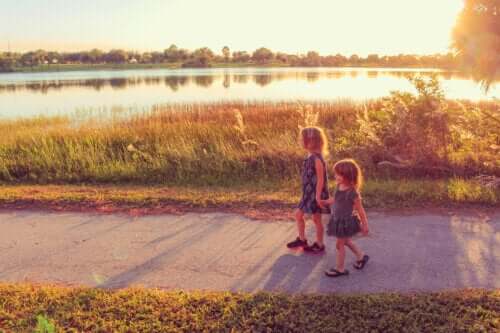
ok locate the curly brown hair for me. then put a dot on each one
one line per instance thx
(350, 171)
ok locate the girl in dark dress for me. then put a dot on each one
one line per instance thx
(314, 188)
(348, 215)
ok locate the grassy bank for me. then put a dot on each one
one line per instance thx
(176, 65)
(413, 148)
(126, 66)
(231, 143)
(28, 308)
(262, 201)
(92, 67)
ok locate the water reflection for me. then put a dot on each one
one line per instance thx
(59, 93)
(176, 82)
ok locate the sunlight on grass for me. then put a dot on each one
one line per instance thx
(280, 197)
(27, 307)
(414, 149)
(215, 144)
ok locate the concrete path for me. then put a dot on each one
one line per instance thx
(229, 252)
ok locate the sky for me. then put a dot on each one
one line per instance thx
(294, 26)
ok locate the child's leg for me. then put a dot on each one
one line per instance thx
(359, 254)
(301, 224)
(340, 254)
(319, 229)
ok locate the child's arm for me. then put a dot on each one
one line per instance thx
(358, 205)
(328, 202)
(321, 181)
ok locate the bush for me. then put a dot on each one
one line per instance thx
(424, 134)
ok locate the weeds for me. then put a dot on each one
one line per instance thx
(148, 310)
(226, 144)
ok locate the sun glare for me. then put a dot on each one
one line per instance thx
(326, 26)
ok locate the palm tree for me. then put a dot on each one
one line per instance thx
(226, 53)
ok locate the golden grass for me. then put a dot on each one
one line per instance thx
(221, 144)
(31, 308)
(261, 200)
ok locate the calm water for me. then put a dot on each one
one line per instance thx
(30, 94)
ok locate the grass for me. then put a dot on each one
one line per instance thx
(221, 144)
(126, 66)
(261, 201)
(430, 149)
(30, 308)
(86, 67)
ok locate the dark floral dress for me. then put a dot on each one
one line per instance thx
(308, 202)
(344, 223)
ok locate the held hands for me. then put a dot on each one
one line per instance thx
(324, 203)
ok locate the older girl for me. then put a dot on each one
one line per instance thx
(314, 188)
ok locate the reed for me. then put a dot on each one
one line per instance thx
(231, 143)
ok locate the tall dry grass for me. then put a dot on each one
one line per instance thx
(231, 143)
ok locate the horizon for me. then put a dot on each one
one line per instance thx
(153, 26)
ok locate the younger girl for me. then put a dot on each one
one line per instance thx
(314, 188)
(348, 215)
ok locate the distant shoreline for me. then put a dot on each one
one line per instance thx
(128, 66)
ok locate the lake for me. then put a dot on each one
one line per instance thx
(59, 93)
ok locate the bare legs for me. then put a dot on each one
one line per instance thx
(319, 229)
(357, 252)
(301, 226)
(340, 245)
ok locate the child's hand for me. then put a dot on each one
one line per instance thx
(326, 202)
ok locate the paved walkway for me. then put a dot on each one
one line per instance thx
(229, 252)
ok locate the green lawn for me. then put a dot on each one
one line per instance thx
(28, 308)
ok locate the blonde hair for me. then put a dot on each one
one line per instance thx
(314, 138)
(350, 171)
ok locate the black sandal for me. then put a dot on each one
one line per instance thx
(335, 273)
(315, 248)
(360, 264)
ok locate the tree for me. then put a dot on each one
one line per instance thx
(53, 57)
(172, 53)
(183, 54)
(146, 58)
(312, 59)
(72, 57)
(226, 53)
(203, 53)
(200, 58)
(354, 60)
(282, 57)
(372, 59)
(29, 59)
(262, 55)
(241, 56)
(41, 56)
(117, 56)
(476, 38)
(7, 62)
(156, 57)
(95, 56)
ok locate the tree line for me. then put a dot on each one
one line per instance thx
(205, 57)
(475, 43)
